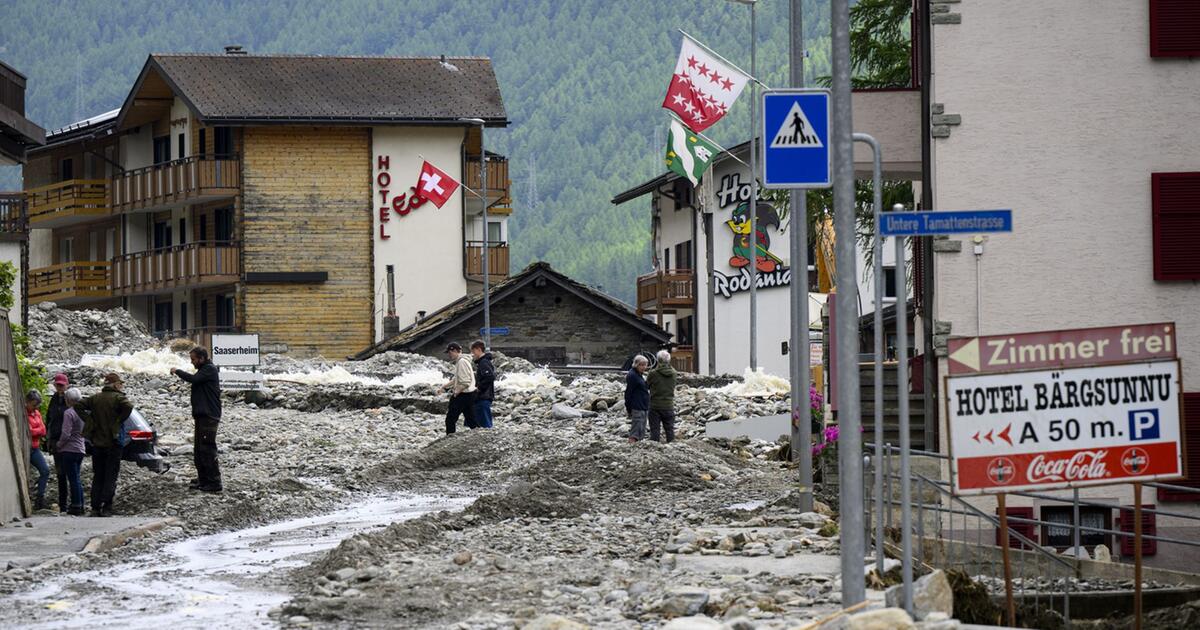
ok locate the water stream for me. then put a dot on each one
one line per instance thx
(230, 579)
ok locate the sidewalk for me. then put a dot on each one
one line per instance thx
(53, 536)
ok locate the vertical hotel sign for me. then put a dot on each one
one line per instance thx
(400, 205)
(1062, 409)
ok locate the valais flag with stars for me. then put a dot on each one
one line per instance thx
(435, 185)
(703, 87)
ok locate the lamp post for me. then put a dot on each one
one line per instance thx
(753, 185)
(487, 272)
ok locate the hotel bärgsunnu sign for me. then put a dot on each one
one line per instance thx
(1062, 409)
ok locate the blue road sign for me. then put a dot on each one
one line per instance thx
(497, 331)
(795, 139)
(947, 222)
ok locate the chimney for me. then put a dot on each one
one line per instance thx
(234, 50)
(420, 316)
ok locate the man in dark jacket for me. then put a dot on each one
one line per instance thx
(485, 385)
(109, 409)
(637, 398)
(54, 420)
(661, 381)
(206, 411)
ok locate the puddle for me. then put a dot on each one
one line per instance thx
(221, 580)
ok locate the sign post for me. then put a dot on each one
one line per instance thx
(1137, 556)
(1009, 604)
(237, 350)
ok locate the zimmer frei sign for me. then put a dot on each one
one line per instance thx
(1064, 409)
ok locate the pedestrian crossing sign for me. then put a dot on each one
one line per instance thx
(794, 139)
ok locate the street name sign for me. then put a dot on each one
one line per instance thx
(235, 350)
(1064, 408)
(795, 139)
(945, 222)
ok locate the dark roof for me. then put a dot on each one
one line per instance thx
(258, 89)
(469, 306)
(668, 177)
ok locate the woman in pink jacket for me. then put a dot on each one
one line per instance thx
(37, 431)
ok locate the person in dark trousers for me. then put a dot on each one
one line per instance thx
(485, 385)
(70, 449)
(109, 409)
(206, 411)
(37, 432)
(54, 420)
(661, 381)
(462, 390)
(637, 398)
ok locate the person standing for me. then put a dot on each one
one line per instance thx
(661, 381)
(206, 411)
(109, 409)
(54, 420)
(637, 398)
(37, 431)
(462, 390)
(69, 450)
(485, 385)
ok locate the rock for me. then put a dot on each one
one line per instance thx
(882, 619)
(684, 602)
(931, 594)
(1102, 554)
(351, 592)
(695, 622)
(1080, 552)
(812, 520)
(559, 411)
(727, 544)
(462, 557)
(342, 575)
(739, 623)
(637, 589)
(297, 619)
(553, 622)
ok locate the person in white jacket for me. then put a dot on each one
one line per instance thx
(461, 388)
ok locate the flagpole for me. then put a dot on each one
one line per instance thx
(726, 61)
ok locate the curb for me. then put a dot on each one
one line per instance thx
(116, 539)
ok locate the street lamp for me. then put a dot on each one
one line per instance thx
(487, 272)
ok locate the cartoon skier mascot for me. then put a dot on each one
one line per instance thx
(739, 224)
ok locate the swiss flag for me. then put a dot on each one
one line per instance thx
(435, 185)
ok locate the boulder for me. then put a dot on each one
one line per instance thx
(1102, 554)
(554, 622)
(559, 411)
(684, 602)
(882, 619)
(931, 594)
(695, 622)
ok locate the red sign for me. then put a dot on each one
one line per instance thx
(401, 204)
(1062, 348)
(1068, 467)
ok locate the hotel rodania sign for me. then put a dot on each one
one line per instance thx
(773, 271)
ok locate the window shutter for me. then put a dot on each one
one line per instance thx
(1176, 214)
(1174, 28)
(1191, 452)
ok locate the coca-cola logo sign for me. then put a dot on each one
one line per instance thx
(1135, 460)
(1001, 470)
(1079, 466)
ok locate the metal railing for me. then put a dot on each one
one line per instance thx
(669, 289)
(189, 179)
(191, 265)
(952, 532)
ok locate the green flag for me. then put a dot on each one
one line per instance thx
(687, 153)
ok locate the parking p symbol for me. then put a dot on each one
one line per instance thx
(1143, 424)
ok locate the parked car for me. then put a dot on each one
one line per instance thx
(141, 444)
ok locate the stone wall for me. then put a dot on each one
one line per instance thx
(553, 326)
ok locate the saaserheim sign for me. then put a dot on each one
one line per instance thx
(733, 197)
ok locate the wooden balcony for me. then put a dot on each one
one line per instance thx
(68, 202)
(190, 266)
(70, 283)
(683, 358)
(13, 222)
(666, 291)
(498, 185)
(194, 179)
(497, 261)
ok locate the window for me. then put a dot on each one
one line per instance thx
(203, 140)
(683, 255)
(162, 234)
(223, 219)
(203, 223)
(686, 335)
(1174, 28)
(224, 311)
(495, 235)
(179, 147)
(666, 259)
(66, 249)
(182, 231)
(183, 312)
(204, 313)
(1061, 535)
(110, 239)
(162, 317)
(66, 169)
(1176, 209)
(222, 142)
(889, 282)
(1191, 452)
(162, 149)
(94, 246)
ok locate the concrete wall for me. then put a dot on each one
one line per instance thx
(426, 245)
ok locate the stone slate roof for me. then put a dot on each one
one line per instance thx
(470, 306)
(257, 89)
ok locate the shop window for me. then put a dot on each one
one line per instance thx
(1176, 216)
(1174, 28)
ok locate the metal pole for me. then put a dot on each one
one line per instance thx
(1008, 584)
(801, 412)
(487, 271)
(905, 433)
(753, 192)
(1137, 556)
(879, 282)
(710, 300)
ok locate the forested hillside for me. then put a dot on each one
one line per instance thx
(582, 82)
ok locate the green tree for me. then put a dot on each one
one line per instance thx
(33, 373)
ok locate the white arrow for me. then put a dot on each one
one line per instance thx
(968, 354)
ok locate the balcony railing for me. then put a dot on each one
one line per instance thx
(497, 260)
(666, 291)
(68, 202)
(498, 184)
(683, 358)
(190, 266)
(13, 214)
(70, 283)
(188, 180)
